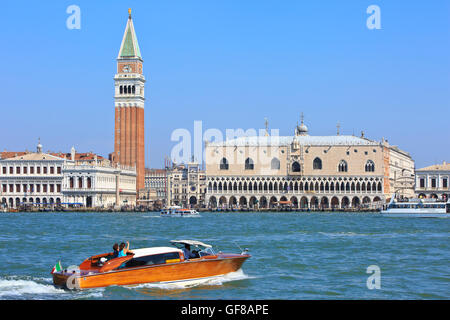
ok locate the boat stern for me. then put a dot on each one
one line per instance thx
(60, 279)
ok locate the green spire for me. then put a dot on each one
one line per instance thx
(130, 46)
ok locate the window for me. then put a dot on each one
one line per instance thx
(445, 183)
(275, 164)
(25, 170)
(31, 170)
(52, 188)
(44, 188)
(224, 164)
(45, 170)
(154, 259)
(249, 165)
(59, 170)
(343, 167)
(317, 164)
(4, 187)
(4, 170)
(370, 166)
(422, 182)
(38, 170)
(11, 170)
(17, 170)
(296, 167)
(52, 170)
(433, 182)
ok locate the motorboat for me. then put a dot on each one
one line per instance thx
(177, 211)
(151, 265)
(421, 208)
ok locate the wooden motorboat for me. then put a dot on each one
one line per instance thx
(151, 265)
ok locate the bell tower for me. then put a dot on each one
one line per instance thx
(129, 148)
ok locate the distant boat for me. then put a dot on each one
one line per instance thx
(151, 265)
(177, 211)
(420, 208)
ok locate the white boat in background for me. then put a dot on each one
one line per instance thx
(420, 208)
(177, 211)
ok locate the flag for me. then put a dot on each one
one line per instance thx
(57, 267)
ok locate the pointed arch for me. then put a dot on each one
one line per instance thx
(224, 165)
(249, 164)
(342, 166)
(275, 164)
(317, 164)
(370, 166)
(296, 167)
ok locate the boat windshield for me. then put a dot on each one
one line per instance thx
(202, 249)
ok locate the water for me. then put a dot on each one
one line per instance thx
(294, 255)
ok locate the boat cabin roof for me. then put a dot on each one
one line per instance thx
(191, 243)
(154, 250)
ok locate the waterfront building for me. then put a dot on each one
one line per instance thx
(186, 185)
(299, 171)
(31, 178)
(401, 176)
(156, 184)
(129, 149)
(99, 185)
(38, 179)
(433, 181)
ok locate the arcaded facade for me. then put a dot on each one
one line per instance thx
(299, 171)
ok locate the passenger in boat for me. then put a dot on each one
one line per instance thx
(115, 250)
(124, 251)
(187, 252)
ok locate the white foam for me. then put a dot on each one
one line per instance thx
(40, 288)
(17, 288)
(185, 284)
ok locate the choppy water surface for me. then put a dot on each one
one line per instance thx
(294, 255)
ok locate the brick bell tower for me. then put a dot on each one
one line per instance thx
(129, 148)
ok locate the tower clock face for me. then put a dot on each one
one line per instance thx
(126, 68)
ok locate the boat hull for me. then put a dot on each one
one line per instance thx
(173, 272)
(414, 215)
(416, 212)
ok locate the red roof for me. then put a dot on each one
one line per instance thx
(78, 156)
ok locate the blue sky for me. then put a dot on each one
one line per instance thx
(229, 64)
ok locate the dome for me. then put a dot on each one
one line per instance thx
(302, 129)
(39, 146)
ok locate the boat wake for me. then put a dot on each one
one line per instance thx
(28, 288)
(186, 284)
